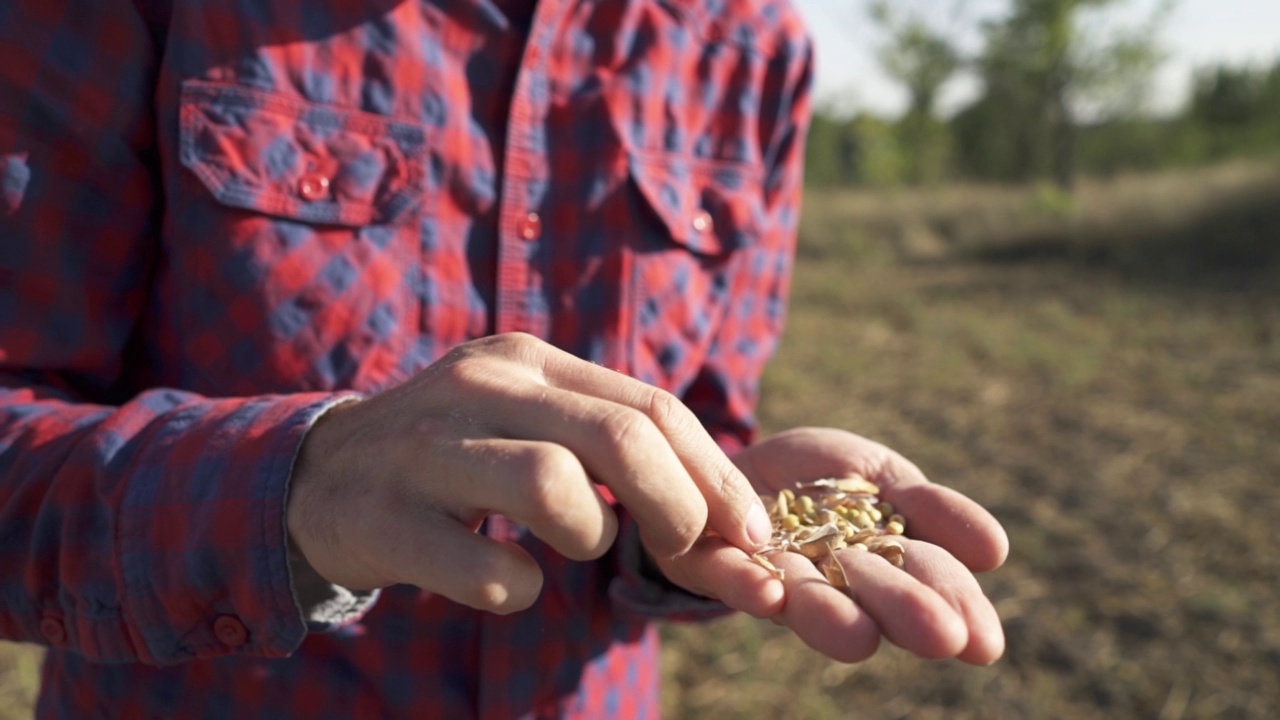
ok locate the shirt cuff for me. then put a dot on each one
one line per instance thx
(641, 589)
(323, 605)
(203, 542)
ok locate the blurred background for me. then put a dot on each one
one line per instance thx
(1041, 258)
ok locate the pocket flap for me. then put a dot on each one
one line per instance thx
(283, 156)
(709, 207)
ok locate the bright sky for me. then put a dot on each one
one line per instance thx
(1199, 32)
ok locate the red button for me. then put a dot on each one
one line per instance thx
(53, 631)
(313, 186)
(702, 221)
(230, 631)
(531, 227)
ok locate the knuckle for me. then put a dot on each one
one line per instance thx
(546, 487)
(519, 345)
(478, 374)
(665, 409)
(671, 543)
(556, 495)
(688, 532)
(625, 426)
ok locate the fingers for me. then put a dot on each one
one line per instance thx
(541, 485)
(620, 448)
(734, 509)
(936, 568)
(821, 615)
(641, 442)
(944, 517)
(714, 568)
(911, 614)
(933, 607)
(440, 554)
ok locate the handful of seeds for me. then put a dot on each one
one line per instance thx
(820, 517)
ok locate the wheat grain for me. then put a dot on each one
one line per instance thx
(821, 517)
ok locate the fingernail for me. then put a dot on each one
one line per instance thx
(759, 527)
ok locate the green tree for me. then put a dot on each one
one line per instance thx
(917, 55)
(1041, 71)
(1234, 108)
(923, 59)
(858, 150)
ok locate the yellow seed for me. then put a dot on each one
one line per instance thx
(857, 546)
(863, 504)
(788, 494)
(781, 507)
(806, 504)
(790, 523)
(865, 522)
(875, 514)
(895, 517)
(886, 508)
(895, 528)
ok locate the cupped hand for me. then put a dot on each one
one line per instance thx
(392, 488)
(933, 606)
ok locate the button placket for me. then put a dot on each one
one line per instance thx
(524, 169)
(530, 228)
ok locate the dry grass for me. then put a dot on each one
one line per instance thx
(1116, 404)
(1103, 372)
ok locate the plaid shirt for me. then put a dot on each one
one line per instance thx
(217, 217)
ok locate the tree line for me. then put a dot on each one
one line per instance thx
(1063, 94)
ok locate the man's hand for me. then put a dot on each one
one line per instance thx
(391, 489)
(934, 609)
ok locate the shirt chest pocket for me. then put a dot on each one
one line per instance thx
(700, 219)
(294, 240)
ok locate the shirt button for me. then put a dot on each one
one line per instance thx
(531, 227)
(702, 221)
(53, 631)
(230, 631)
(313, 186)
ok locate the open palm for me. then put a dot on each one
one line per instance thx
(934, 609)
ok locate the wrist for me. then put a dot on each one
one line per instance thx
(305, 521)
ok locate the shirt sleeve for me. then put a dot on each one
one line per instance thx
(725, 392)
(133, 526)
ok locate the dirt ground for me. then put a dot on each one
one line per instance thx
(1103, 373)
(1115, 403)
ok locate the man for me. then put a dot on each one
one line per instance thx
(297, 296)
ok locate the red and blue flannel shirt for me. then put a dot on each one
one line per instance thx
(216, 218)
